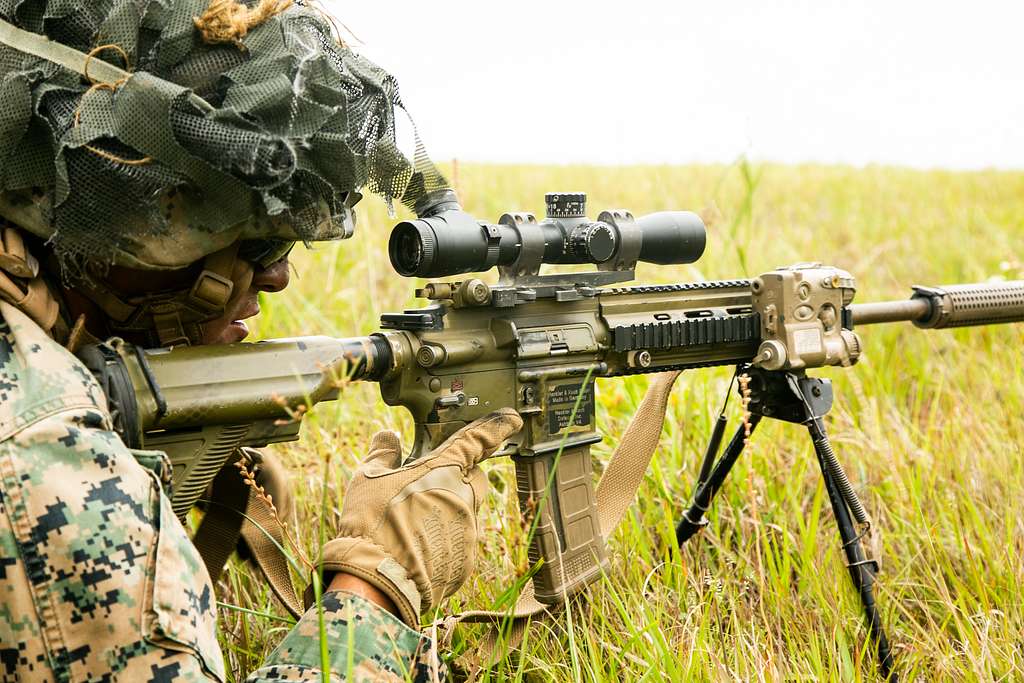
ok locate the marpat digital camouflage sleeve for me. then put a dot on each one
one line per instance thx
(98, 578)
(364, 643)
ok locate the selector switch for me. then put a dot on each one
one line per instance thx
(450, 401)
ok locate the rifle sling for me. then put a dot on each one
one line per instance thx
(218, 533)
(615, 493)
(239, 513)
(263, 534)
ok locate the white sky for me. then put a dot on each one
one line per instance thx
(640, 81)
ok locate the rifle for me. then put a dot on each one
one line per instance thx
(537, 342)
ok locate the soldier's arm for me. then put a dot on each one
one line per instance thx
(98, 576)
(123, 588)
(361, 639)
(386, 509)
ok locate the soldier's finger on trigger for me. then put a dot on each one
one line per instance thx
(477, 441)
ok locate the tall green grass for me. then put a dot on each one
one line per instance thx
(928, 426)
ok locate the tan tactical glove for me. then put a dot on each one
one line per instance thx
(411, 531)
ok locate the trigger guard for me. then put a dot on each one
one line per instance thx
(428, 439)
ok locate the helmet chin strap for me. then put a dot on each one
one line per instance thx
(241, 278)
(177, 318)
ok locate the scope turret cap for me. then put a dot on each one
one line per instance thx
(565, 204)
(152, 134)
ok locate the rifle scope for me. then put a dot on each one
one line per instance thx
(445, 240)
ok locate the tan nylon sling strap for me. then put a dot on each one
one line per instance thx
(615, 493)
(628, 465)
(265, 537)
(239, 512)
(217, 535)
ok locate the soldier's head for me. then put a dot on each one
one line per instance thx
(171, 153)
(176, 291)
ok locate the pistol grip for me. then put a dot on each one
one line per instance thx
(567, 534)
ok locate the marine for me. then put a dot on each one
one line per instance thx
(158, 162)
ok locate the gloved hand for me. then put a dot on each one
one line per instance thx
(411, 531)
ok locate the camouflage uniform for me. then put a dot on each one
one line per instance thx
(98, 579)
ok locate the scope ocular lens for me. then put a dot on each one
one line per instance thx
(407, 249)
(410, 251)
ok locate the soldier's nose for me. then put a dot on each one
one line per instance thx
(273, 278)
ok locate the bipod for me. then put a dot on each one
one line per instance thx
(794, 397)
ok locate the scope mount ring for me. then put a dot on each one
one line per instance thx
(531, 251)
(630, 240)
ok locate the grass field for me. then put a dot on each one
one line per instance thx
(928, 426)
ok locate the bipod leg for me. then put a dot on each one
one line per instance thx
(862, 570)
(693, 518)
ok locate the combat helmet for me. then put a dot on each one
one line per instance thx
(157, 133)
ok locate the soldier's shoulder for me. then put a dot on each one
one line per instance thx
(38, 377)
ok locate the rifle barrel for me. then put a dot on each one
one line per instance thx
(981, 303)
(907, 310)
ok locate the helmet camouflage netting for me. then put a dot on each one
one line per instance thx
(144, 145)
